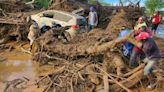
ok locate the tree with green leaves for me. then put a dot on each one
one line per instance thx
(153, 5)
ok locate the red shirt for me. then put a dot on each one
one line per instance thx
(156, 19)
(136, 49)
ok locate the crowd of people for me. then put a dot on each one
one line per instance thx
(148, 51)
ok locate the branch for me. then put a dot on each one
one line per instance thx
(134, 70)
(121, 85)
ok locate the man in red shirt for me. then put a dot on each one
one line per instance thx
(136, 52)
(155, 21)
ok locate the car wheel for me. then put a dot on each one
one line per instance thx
(56, 26)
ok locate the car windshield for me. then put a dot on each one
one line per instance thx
(62, 17)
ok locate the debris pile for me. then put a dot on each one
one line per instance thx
(13, 21)
(124, 18)
(85, 64)
(64, 5)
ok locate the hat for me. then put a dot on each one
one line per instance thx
(92, 8)
(143, 35)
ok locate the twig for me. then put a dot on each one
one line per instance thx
(121, 85)
(49, 86)
(114, 75)
(41, 50)
(71, 85)
(40, 80)
(135, 70)
(106, 83)
(105, 77)
(53, 57)
(81, 77)
(26, 51)
(83, 67)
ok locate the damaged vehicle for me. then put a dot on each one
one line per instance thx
(55, 18)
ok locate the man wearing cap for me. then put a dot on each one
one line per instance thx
(92, 19)
(152, 54)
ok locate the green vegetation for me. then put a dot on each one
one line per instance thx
(40, 3)
(153, 5)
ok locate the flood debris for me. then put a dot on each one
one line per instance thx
(84, 64)
(91, 49)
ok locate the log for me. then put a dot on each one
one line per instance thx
(134, 70)
(106, 83)
(97, 49)
(105, 77)
(130, 81)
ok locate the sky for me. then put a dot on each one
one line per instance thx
(117, 1)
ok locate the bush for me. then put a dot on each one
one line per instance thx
(40, 3)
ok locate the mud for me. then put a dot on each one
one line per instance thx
(68, 67)
(16, 65)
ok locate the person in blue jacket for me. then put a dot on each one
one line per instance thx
(127, 46)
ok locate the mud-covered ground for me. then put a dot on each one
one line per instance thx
(60, 67)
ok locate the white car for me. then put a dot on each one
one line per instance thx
(52, 17)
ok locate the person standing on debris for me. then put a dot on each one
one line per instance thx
(92, 19)
(152, 55)
(33, 33)
(155, 21)
(140, 22)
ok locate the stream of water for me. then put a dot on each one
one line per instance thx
(17, 66)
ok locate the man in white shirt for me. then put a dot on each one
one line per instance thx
(92, 19)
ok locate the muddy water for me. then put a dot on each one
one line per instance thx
(17, 65)
(160, 31)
